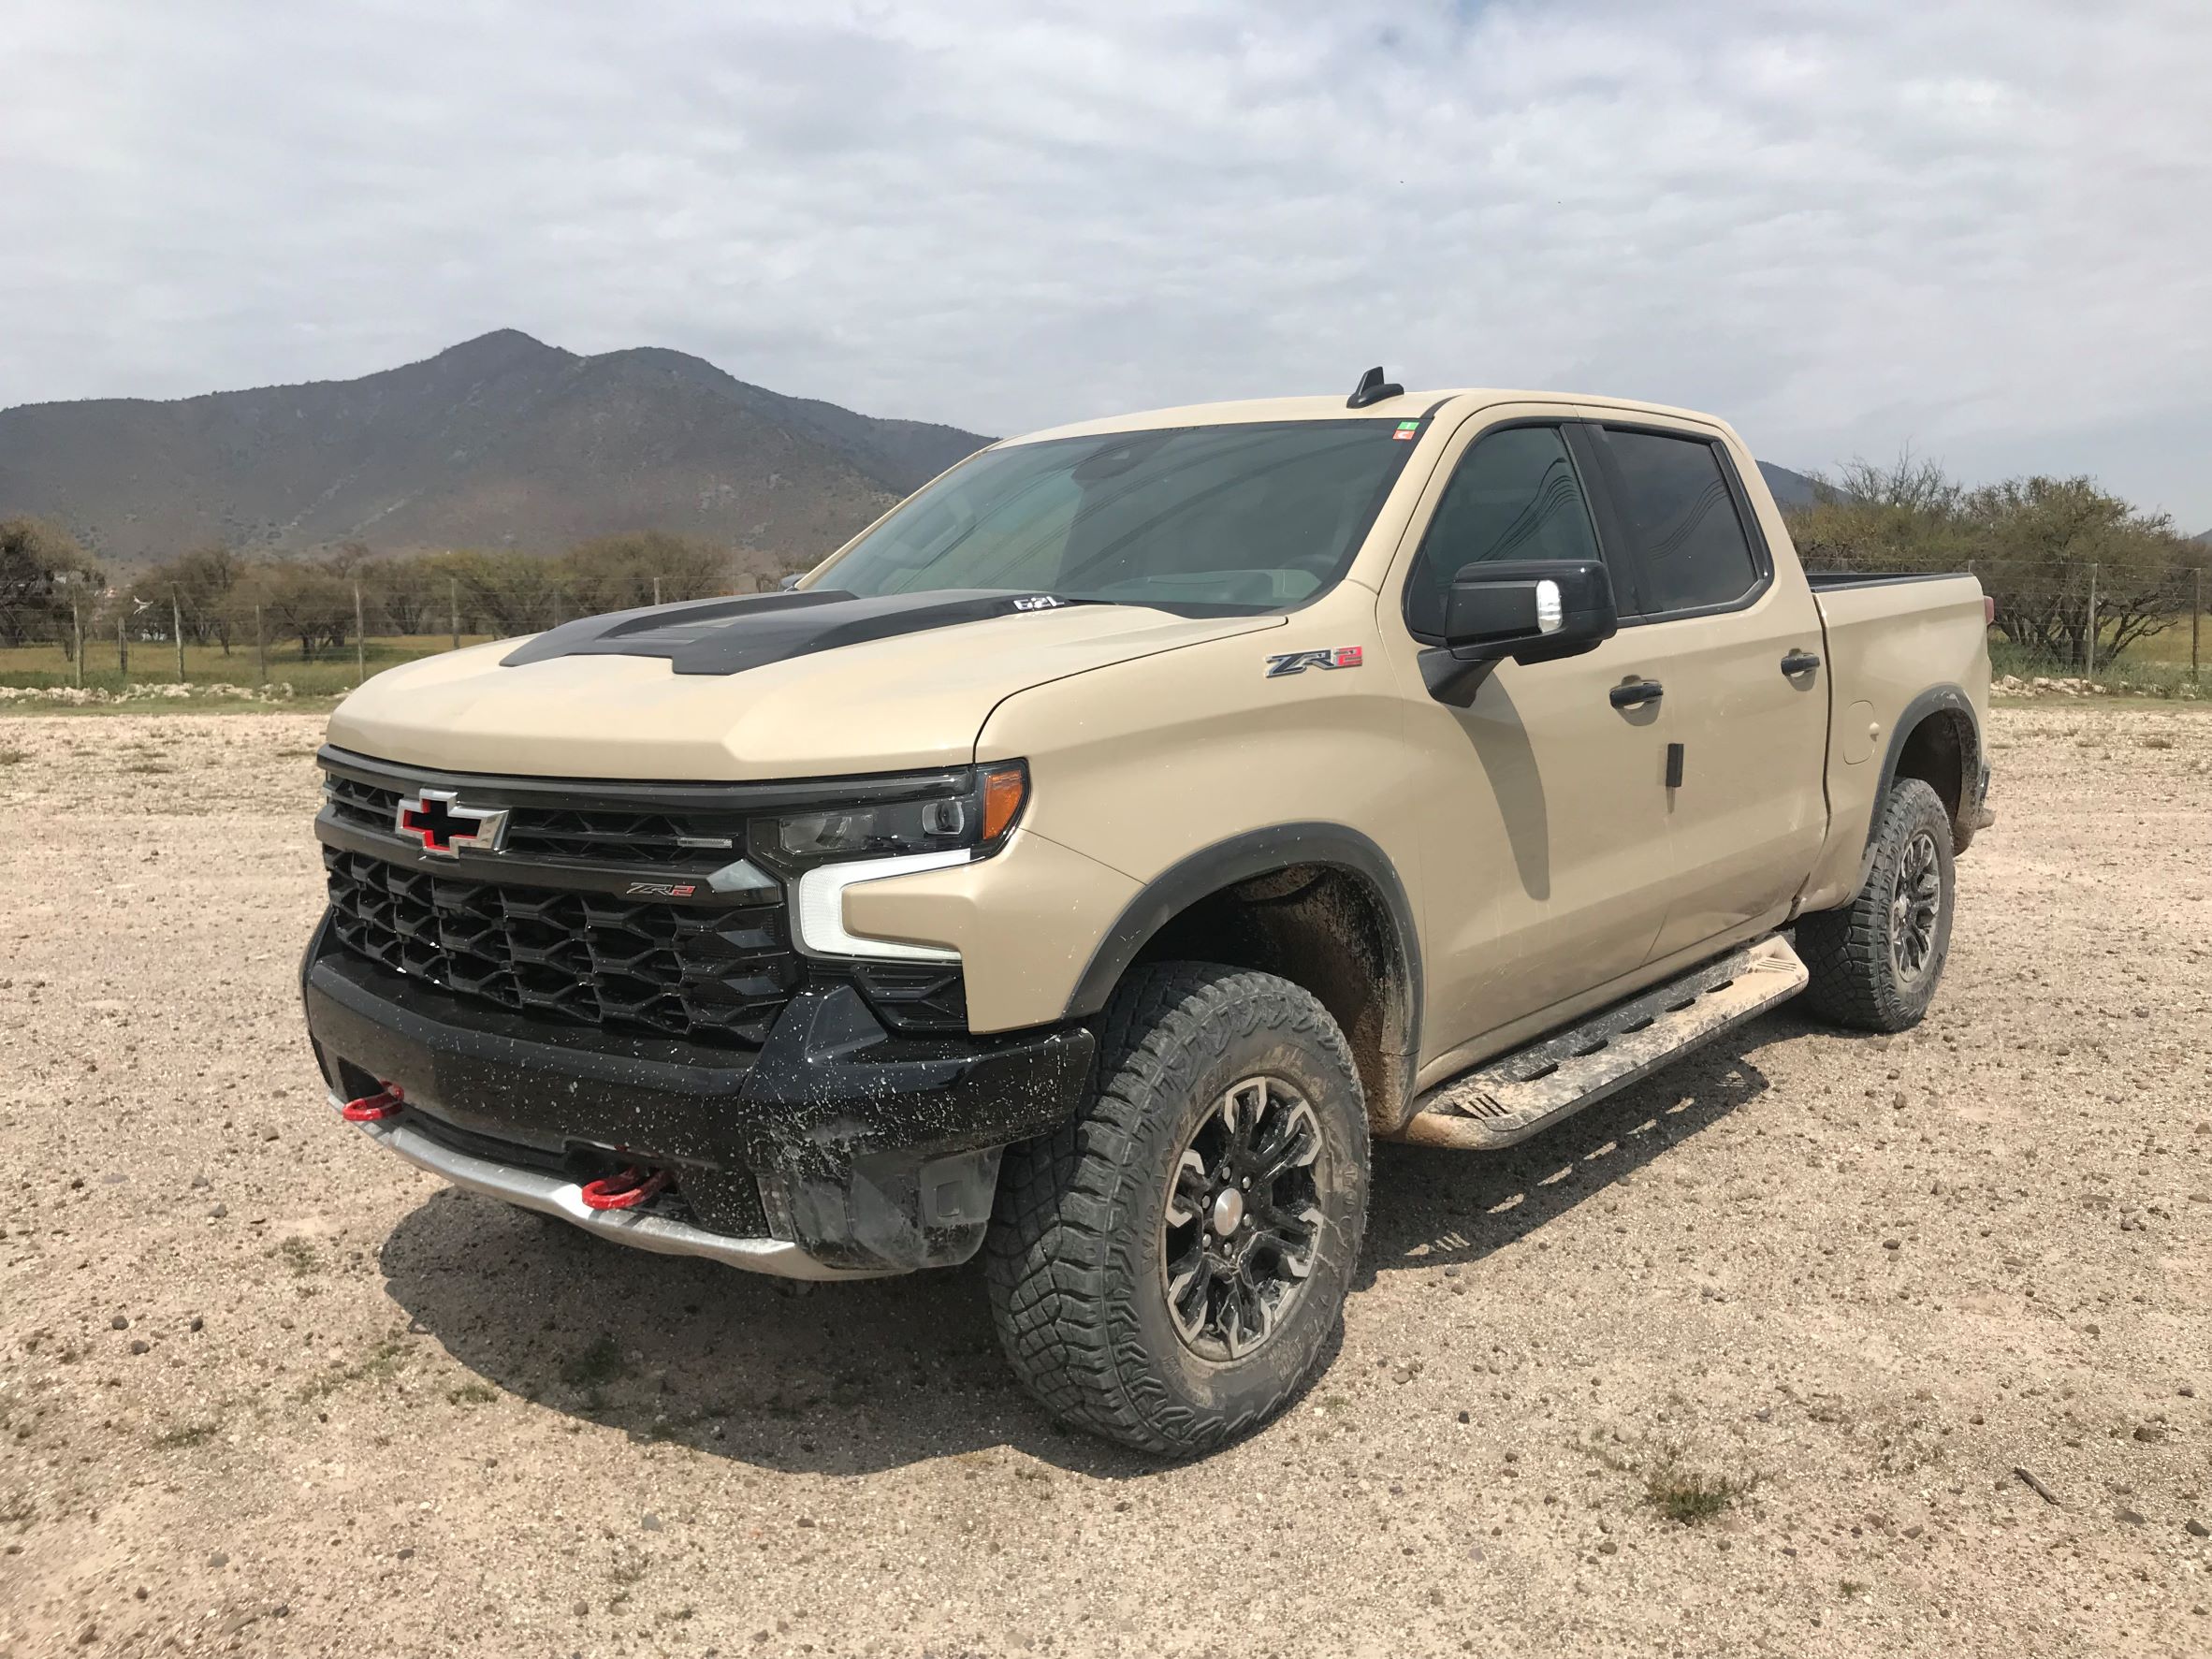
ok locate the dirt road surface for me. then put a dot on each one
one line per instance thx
(1923, 1326)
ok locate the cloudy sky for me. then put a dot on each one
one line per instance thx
(1983, 228)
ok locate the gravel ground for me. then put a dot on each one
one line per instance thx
(1923, 1324)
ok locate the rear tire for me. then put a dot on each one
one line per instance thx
(1138, 1292)
(1876, 962)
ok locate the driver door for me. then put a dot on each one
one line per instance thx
(1543, 829)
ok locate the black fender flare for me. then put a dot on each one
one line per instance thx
(1241, 857)
(1944, 699)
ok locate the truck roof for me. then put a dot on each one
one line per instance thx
(1406, 406)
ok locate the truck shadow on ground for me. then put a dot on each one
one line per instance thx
(1436, 1207)
(851, 1378)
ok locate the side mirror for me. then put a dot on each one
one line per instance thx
(1528, 611)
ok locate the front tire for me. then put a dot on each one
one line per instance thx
(1168, 1270)
(1876, 962)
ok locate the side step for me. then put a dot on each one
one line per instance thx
(1509, 1098)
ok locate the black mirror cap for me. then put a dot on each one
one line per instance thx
(1529, 610)
(1500, 612)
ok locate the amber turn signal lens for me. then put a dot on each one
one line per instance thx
(1004, 788)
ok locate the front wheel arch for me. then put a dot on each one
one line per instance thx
(1319, 904)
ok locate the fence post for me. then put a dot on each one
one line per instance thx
(2089, 642)
(177, 628)
(77, 631)
(2196, 619)
(260, 648)
(360, 643)
(122, 643)
(656, 589)
(453, 608)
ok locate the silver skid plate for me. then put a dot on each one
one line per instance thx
(1509, 1098)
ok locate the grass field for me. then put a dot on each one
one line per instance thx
(2157, 667)
(330, 674)
(2172, 646)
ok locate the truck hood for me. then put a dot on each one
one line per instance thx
(626, 696)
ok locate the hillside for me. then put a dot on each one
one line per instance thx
(1790, 489)
(501, 441)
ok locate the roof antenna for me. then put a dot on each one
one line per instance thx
(1373, 389)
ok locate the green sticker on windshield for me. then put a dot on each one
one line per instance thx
(1409, 425)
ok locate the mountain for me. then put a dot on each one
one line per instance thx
(1790, 489)
(501, 441)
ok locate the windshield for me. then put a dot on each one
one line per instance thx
(1203, 520)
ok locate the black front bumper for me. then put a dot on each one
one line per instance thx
(869, 1150)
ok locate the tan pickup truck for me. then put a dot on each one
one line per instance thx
(1085, 861)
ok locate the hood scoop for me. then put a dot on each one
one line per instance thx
(731, 636)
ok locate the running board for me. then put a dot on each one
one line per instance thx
(1509, 1098)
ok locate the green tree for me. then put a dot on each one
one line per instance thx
(2033, 541)
(2036, 541)
(404, 595)
(43, 572)
(204, 584)
(620, 573)
(307, 601)
(506, 593)
(1901, 516)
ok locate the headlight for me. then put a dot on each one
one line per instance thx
(979, 817)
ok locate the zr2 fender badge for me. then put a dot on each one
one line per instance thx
(1299, 662)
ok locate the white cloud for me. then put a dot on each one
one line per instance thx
(1983, 226)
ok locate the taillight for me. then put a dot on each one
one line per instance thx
(1988, 611)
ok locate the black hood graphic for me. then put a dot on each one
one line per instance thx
(731, 636)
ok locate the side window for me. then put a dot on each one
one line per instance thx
(1681, 521)
(1514, 496)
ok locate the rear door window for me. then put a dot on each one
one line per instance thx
(1514, 495)
(1680, 514)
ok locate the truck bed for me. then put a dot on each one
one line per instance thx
(1830, 579)
(1891, 641)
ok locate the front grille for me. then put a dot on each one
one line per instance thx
(362, 805)
(601, 834)
(542, 926)
(586, 958)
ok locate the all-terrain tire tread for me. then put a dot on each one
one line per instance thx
(1847, 950)
(1054, 1252)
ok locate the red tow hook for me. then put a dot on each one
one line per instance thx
(374, 1108)
(625, 1192)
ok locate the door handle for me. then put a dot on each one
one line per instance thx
(1635, 693)
(1798, 663)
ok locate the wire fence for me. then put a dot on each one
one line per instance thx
(2079, 625)
(2070, 625)
(304, 631)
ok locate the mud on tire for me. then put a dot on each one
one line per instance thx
(1876, 962)
(1085, 1230)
